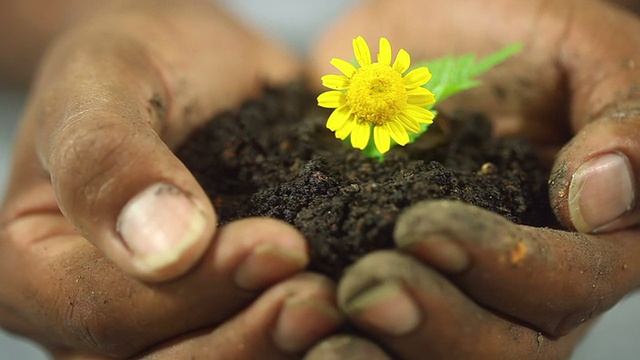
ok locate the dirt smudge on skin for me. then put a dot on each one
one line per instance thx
(518, 253)
(158, 107)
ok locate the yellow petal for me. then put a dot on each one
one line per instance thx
(361, 51)
(419, 90)
(418, 114)
(417, 77)
(384, 53)
(403, 61)
(420, 97)
(397, 133)
(339, 117)
(381, 139)
(360, 135)
(332, 99)
(408, 123)
(346, 129)
(336, 82)
(344, 66)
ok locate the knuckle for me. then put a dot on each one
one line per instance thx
(95, 332)
(91, 314)
(590, 300)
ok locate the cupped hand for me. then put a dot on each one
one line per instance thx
(108, 245)
(469, 284)
(472, 285)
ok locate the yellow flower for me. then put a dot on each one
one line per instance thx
(377, 94)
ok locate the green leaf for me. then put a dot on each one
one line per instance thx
(497, 58)
(452, 75)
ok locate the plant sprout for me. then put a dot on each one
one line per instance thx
(380, 104)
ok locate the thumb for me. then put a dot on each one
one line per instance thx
(115, 179)
(105, 111)
(593, 183)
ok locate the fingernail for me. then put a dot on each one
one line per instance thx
(439, 251)
(346, 347)
(267, 264)
(387, 308)
(302, 322)
(601, 191)
(159, 225)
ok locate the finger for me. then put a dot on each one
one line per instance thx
(553, 280)
(593, 185)
(346, 347)
(416, 313)
(77, 299)
(286, 320)
(104, 110)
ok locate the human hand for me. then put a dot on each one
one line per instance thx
(108, 244)
(577, 73)
(468, 284)
(288, 318)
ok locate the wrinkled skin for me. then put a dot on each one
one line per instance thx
(113, 96)
(466, 277)
(115, 93)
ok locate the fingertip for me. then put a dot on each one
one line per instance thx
(346, 347)
(593, 185)
(291, 334)
(373, 293)
(259, 252)
(280, 262)
(386, 307)
(601, 191)
(424, 230)
(307, 313)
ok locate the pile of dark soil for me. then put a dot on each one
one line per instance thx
(274, 157)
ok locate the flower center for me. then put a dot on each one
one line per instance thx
(376, 94)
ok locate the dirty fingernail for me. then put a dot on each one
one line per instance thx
(159, 225)
(302, 322)
(347, 347)
(601, 191)
(267, 264)
(386, 307)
